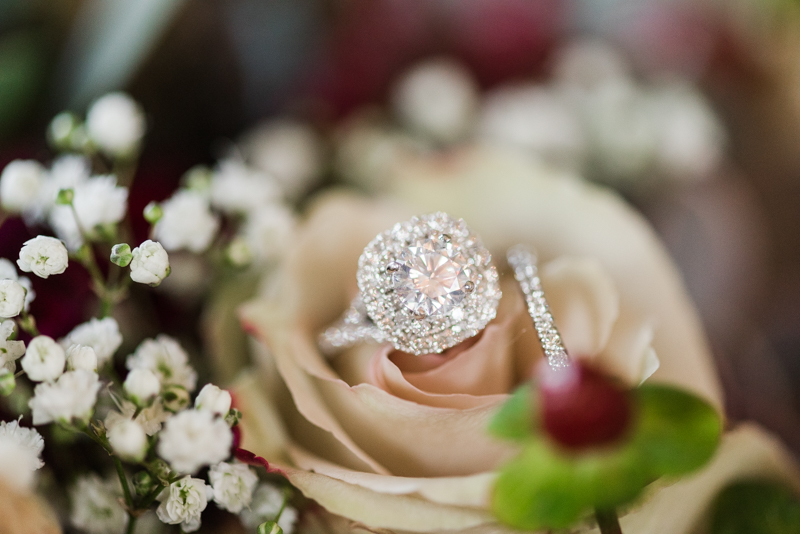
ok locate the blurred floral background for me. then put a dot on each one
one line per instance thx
(690, 109)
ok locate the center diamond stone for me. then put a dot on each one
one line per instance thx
(431, 279)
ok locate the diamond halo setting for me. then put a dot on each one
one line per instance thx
(427, 284)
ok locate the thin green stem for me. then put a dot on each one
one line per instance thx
(608, 521)
(124, 481)
(152, 496)
(131, 524)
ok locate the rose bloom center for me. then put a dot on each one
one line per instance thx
(431, 279)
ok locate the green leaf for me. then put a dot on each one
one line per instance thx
(756, 507)
(677, 432)
(537, 490)
(514, 420)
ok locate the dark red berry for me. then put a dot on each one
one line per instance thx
(581, 407)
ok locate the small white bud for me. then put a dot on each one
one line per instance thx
(121, 254)
(44, 360)
(141, 385)
(214, 400)
(152, 212)
(20, 183)
(43, 256)
(115, 123)
(81, 357)
(150, 263)
(61, 128)
(12, 298)
(128, 440)
(238, 252)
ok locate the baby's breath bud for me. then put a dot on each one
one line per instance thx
(61, 130)
(128, 440)
(213, 399)
(65, 197)
(121, 254)
(198, 178)
(81, 357)
(153, 212)
(270, 527)
(7, 382)
(141, 385)
(176, 398)
(239, 253)
(143, 483)
(233, 417)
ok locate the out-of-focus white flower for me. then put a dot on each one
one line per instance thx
(115, 123)
(236, 188)
(20, 454)
(265, 506)
(183, 502)
(10, 350)
(186, 223)
(587, 64)
(20, 183)
(233, 485)
(623, 130)
(268, 230)
(7, 270)
(438, 98)
(97, 201)
(141, 385)
(167, 359)
(691, 138)
(66, 172)
(12, 298)
(534, 118)
(100, 334)
(150, 263)
(194, 438)
(150, 418)
(44, 256)
(44, 360)
(95, 505)
(72, 396)
(288, 150)
(81, 357)
(213, 399)
(128, 439)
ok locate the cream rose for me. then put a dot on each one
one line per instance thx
(399, 442)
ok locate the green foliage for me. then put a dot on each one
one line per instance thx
(756, 507)
(674, 433)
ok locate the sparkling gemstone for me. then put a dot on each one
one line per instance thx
(432, 277)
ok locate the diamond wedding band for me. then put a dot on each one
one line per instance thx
(428, 284)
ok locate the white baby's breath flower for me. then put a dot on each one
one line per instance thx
(268, 231)
(150, 418)
(66, 172)
(186, 223)
(194, 438)
(7, 270)
(233, 485)
(535, 119)
(20, 183)
(97, 201)
(438, 98)
(81, 357)
(12, 298)
(183, 502)
(141, 385)
(129, 440)
(150, 263)
(10, 350)
(95, 505)
(214, 400)
(288, 150)
(20, 454)
(100, 334)
(44, 359)
(115, 123)
(70, 397)
(236, 188)
(265, 506)
(43, 256)
(167, 359)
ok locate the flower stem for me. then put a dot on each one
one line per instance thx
(608, 521)
(131, 523)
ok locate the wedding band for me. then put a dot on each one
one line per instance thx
(425, 285)
(523, 261)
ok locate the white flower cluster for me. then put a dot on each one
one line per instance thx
(20, 454)
(95, 506)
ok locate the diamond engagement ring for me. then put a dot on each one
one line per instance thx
(523, 261)
(425, 285)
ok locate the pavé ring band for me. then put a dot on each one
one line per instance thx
(425, 285)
